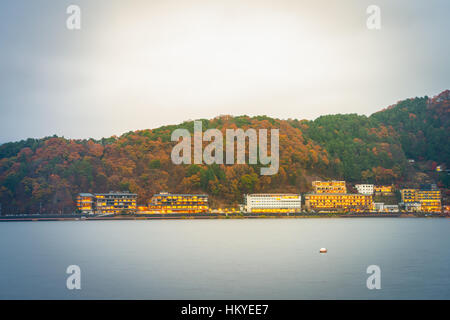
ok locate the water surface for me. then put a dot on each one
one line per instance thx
(226, 259)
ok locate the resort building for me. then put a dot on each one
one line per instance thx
(378, 206)
(381, 207)
(329, 186)
(383, 190)
(411, 206)
(391, 208)
(429, 198)
(364, 188)
(107, 203)
(85, 203)
(183, 203)
(273, 202)
(115, 202)
(408, 195)
(340, 202)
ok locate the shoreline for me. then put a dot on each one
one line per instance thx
(180, 216)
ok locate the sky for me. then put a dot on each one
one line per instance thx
(139, 64)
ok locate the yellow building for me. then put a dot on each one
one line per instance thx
(429, 200)
(339, 202)
(329, 186)
(85, 203)
(383, 190)
(408, 195)
(183, 203)
(104, 203)
(115, 202)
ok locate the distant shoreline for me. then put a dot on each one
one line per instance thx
(180, 216)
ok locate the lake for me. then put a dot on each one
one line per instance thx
(227, 259)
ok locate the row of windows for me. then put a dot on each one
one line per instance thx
(336, 198)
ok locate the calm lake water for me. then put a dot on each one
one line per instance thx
(226, 259)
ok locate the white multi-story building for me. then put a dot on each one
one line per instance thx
(364, 188)
(381, 207)
(273, 202)
(391, 208)
(378, 206)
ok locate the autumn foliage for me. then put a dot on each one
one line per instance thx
(46, 174)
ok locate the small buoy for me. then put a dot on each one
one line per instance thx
(323, 250)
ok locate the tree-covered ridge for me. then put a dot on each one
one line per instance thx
(48, 173)
(364, 148)
(423, 126)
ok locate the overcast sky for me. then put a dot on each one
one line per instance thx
(141, 64)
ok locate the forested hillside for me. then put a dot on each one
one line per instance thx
(46, 174)
(423, 126)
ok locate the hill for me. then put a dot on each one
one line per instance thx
(46, 174)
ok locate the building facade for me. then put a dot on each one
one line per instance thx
(428, 198)
(107, 203)
(342, 202)
(183, 203)
(329, 186)
(365, 188)
(391, 208)
(273, 202)
(378, 206)
(411, 206)
(383, 190)
(381, 207)
(85, 203)
(115, 202)
(408, 195)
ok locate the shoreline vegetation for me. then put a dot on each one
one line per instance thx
(77, 217)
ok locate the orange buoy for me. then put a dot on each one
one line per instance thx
(323, 250)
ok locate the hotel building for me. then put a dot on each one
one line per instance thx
(391, 208)
(378, 206)
(115, 202)
(411, 206)
(408, 195)
(85, 203)
(183, 203)
(365, 188)
(329, 186)
(429, 198)
(381, 207)
(273, 202)
(107, 203)
(383, 190)
(338, 202)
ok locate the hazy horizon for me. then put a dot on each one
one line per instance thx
(139, 65)
(188, 120)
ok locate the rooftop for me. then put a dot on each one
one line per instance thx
(86, 195)
(165, 194)
(337, 194)
(272, 194)
(117, 193)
